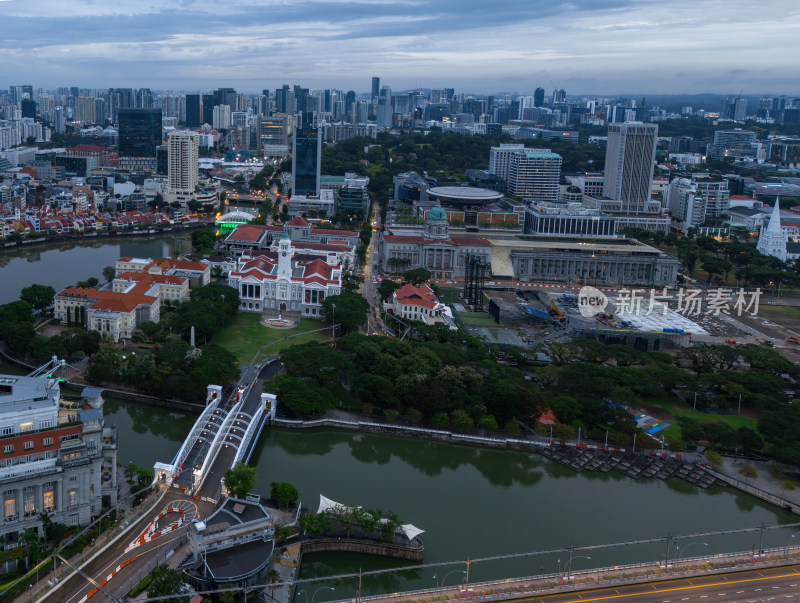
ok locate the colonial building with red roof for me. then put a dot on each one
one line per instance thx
(434, 249)
(114, 313)
(287, 285)
(416, 303)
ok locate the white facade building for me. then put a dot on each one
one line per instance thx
(500, 159)
(182, 170)
(630, 157)
(534, 174)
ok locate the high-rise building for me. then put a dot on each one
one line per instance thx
(28, 108)
(385, 107)
(139, 132)
(193, 114)
(716, 195)
(534, 174)
(538, 97)
(221, 118)
(274, 133)
(58, 114)
(281, 105)
(182, 168)
(500, 159)
(208, 109)
(559, 96)
(376, 87)
(630, 157)
(306, 158)
(85, 110)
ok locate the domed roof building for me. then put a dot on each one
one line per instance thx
(435, 249)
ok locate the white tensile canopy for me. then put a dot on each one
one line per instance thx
(411, 531)
(326, 504)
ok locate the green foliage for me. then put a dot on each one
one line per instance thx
(417, 276)
(440, 420)
(488, 422)
(386, 288)
(304, 398)
(284, 494)
(240, 479)
(350, 310)
(713, 457)
(39, 297)
(166, 582)
(391, 414)
(203, 240)
(748, 471)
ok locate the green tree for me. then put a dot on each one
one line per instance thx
(462, 422)
(386, 288)
(109, 272)
(417, 276)
(166, 582)
(240, 479)
(39, 297)
(348, 309)
(203, 240)
(284, 494)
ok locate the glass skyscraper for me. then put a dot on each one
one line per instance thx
(139, 132)
(306, 158)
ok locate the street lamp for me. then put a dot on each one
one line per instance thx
(333, 325)
(305, 594)
(680, 555)
(786, 547)
(569, 564)
(441, 584)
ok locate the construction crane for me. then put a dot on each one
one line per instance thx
(554, 310)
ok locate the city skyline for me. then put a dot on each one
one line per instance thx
(611, 47)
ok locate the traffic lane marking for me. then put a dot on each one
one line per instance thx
(678, 588)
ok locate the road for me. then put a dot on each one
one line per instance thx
(369, 288)
(779, 585)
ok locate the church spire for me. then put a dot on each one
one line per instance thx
(772, 240)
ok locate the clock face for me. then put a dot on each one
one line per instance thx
(284, 254)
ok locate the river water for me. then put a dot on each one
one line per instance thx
(471, 502)
(63, 264)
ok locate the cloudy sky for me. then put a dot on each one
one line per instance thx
(586, 46)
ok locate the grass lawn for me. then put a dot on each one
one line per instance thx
(667, 408)
(245, 335)
(786, 316)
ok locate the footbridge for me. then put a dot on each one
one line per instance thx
(224, 434)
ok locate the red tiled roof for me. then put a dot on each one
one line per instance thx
(247, 232)
(298, 221)
(109, 300)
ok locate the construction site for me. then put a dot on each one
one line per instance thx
(527, 317)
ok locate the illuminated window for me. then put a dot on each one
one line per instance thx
(73, 498)
(49, 499)
(10, 505)
(30, 505)
(26, 426)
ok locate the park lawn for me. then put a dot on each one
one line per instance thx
(244, 335)
(672, 406)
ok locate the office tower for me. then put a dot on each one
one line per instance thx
(193, 114)
(740, 109)
(139, 132)
(306, 158)
(559, 96)
(376, 87)
(162, 160)
(538, 97)
(435, 95)
(221, 118)
(300, 100)
(280, 99)
(385, 107)
(28, 108)
(349, 99)
(85, 110)
(226, 96)
(182, 158)
(448, 93)
(500, 159)
(630, 156)
(58, 120)
(144, 98)
(274, 130)
(208, 109)
(732, 143)
(534, 174)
